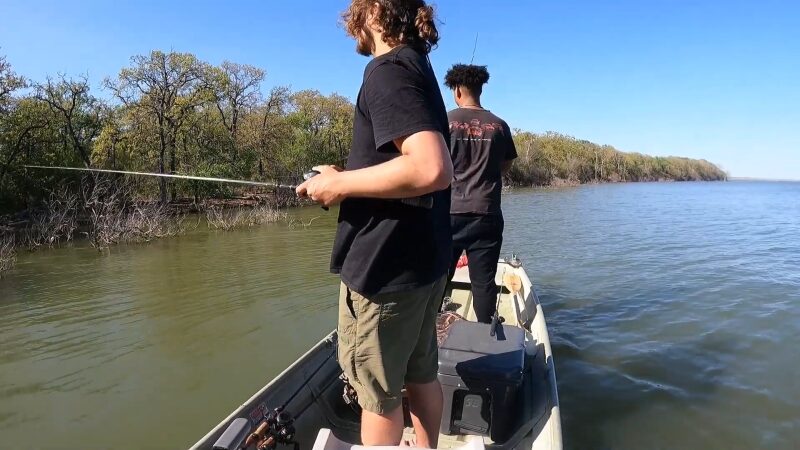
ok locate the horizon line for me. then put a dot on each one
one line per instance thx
(793, 180)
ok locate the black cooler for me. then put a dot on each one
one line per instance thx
(481, 376)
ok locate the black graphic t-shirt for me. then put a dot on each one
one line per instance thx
(386, 245)
(480, 142)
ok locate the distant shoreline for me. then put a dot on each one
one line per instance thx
(772, 180)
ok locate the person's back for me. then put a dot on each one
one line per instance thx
(482, 149)
(479, 149)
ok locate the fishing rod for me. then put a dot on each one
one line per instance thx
(180, 177)
(424, 201)
(474, 49)
(496, 319)
(306, 176)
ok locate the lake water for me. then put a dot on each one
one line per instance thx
(674, 311)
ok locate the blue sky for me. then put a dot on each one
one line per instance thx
(713, 79)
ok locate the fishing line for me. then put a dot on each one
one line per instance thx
(475, 48)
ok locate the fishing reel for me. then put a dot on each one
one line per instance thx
(309, 175)
(276, 428)
(349, 395)
(280, 430)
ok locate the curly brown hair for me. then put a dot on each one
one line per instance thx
(409, 22)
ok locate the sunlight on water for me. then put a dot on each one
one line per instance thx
(674, 311)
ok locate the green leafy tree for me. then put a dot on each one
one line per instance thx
(75, 111)
(12, 134)
(322, 130)
(166, 87)
(9, 83)
(553, 158)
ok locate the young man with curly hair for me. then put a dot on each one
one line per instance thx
(393, 241)
(482, 149)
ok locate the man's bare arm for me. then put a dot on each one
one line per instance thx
(424, 166)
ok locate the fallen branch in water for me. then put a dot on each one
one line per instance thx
(296, 223)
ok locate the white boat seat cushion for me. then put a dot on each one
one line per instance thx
(327, 441)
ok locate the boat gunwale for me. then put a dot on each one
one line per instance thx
(328, 340)
(538, 328)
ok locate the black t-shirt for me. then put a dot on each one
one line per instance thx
(480, 142)
(385, 245)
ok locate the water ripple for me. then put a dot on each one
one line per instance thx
(670, 306)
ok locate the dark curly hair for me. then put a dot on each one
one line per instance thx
(409, 22)
(469, 76)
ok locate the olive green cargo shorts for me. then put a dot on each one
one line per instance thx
(388, 340)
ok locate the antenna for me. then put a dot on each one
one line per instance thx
(474, 49)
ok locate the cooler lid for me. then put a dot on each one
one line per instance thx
(469, 352)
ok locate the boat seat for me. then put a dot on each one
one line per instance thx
(327, 441)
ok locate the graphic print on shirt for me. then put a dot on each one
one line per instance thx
(475, 130)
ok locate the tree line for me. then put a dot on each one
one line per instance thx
(556, 159)
(165, 113)
(170, 112)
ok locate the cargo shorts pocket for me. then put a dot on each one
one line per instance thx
(347, 329)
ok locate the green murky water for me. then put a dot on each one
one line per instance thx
(674, 311)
